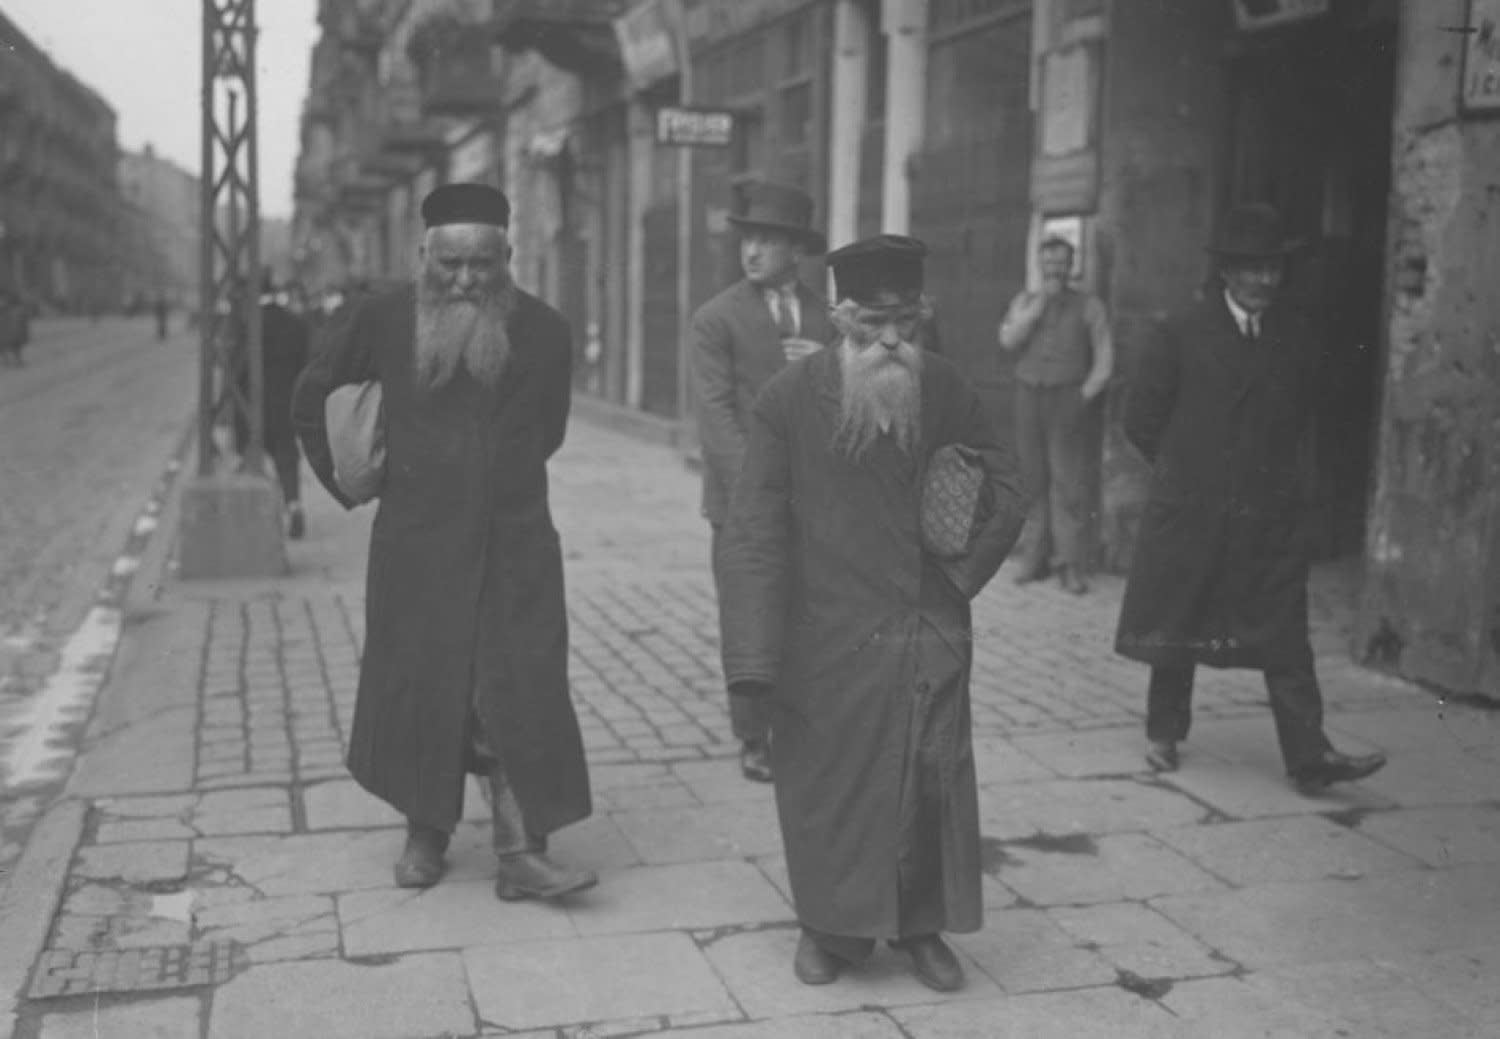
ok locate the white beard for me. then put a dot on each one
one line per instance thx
(462, 333)
(881, 394)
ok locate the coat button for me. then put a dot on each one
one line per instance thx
(923, 687)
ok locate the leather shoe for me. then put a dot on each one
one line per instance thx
(531, 874)
(933, 962)
(1030, 572)
(755, 762)
(814, 965)
(421, 862)
(1334, 767)
(1072, 581)
(1161, 755)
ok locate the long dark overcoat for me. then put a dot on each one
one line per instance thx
(464, 593)
(830, 597)
(1219, 574)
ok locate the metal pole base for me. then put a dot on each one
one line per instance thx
(231, 527)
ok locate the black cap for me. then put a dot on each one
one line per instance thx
(883, 271)
(466, 203)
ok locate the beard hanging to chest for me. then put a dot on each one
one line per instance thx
(880, 394)
(467, 333)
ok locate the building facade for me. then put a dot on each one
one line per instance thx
(982, 126)
(162, 209)
(62, 223)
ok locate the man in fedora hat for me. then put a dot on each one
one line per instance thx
(465, 666)
(1221, 407)
(858, 637)
(740, 338)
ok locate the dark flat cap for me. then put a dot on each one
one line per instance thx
(883, 271)
(466, 203)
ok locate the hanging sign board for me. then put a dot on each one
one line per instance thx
(1265, 14)
(1482, 57)
(694, 127)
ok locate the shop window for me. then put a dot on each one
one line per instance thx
(747, 154)
(977, 80)
(946, 15)
(795, 43)
(796, 115)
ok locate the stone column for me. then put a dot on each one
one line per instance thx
(850, 76)
(906, 95)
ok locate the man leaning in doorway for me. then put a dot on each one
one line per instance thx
(739, 339)
(1066, 359)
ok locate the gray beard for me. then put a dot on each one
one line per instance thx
(454, 334)
(879, 395)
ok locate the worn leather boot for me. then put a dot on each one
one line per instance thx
(933, 962)
(421, 862)
(525, 869)
(813, 964)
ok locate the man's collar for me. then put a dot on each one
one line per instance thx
(1240, 314)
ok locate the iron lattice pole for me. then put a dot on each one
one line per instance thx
(229, 251)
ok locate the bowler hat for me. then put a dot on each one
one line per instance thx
(781, 207)
(1253, 230)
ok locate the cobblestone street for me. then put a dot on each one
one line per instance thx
(224, 876)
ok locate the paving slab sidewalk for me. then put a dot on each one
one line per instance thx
(230, 880)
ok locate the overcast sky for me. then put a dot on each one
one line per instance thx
(145, 58)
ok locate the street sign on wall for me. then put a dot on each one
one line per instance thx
(1482, 57)
(694, 127)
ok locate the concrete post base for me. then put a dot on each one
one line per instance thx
(231, 527)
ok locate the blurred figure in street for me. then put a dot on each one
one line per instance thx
(13, 329)
(1066, 359)
(284, 353)
(1221, 406)
(162, 312)
(739, 339)
(465, 663)
(857, 638)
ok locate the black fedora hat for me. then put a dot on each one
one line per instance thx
(1253, 231)
(781, 207)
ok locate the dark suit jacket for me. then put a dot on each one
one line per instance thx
(736, 348)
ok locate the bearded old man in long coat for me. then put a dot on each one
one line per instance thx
(466, 641)
(1221, 405)
(858, 638)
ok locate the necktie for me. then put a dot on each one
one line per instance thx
(1252, 327)
(785, 322)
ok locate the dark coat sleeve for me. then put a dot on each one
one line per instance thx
(756, 560)
(347, 358)
(557, 389)
(1004, 496)
(1153, 392)
(720, 433)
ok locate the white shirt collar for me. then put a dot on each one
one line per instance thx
(1242, 317)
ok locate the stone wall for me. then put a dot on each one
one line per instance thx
(1162, 110)
(1428, 606)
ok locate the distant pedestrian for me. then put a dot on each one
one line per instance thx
(1221, 405)
(1066, 359)
(284, 352)
(163, 313)
(856, 637)
(465, 665)
(739, 339)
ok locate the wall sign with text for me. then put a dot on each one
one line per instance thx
(1481, 89)
(694, 127)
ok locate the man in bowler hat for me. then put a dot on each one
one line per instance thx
(1221, 407)
(739, 339)
(858, 639)
(465, 666)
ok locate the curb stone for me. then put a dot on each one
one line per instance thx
(29, 902)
